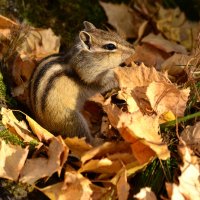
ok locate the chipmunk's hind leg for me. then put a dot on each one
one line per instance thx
(76, 125)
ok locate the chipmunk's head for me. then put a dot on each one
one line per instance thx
(101, 51)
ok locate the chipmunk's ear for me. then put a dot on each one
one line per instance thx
(85, 39)
(88, 26)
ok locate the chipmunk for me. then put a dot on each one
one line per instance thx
(60, 85)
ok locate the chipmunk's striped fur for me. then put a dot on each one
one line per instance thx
(61, 84)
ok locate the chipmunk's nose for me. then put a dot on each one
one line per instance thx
(122, 64)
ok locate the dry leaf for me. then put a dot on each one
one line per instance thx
(133, 124)
(165, 97)
(122, 186)
(39, 131)
(14, 126)
(121, 17)
(105, 149)
(151, 91)
(145, 194)
(174, 25)
(36, 168)
(6, 22)
(189, 183)
(21, 74)
(138, 76)
(39, 44)
(75, 186)
(175, 64)
(145, 141)
(103, 165)
(191, 136)
(34, 44)
(110, 163)
(161, 43)
(149, 55)
(78, 146)
(12, 160)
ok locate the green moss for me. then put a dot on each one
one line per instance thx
(13, 190)
(2, 90)
(10, 137)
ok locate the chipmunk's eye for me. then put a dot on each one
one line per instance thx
(109, 46)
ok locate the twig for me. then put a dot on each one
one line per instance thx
(178, 120)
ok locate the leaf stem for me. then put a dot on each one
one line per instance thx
(178, 120)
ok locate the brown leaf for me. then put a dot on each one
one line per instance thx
(105, 149)
(110, 164)
(39, 44)
(78, 146)
(75, 186)
(175, 26)
(131, 127)
(103, 165)
(36, 168)
(167, 46)
(121, 17)
(138, 76)
(6, 22)
(133, 124)
(189, 184)
(191, 136)
(12, 160)
(123, 186)
(39, 131)
(26, 46)
(149, 55)
(150, 91)
(175, 64)
(165, 97)
(14, 126)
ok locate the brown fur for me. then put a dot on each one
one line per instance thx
(61, 85)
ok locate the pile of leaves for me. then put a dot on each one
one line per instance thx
(143, 123)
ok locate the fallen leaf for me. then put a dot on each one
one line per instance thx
(133, 124)
(6, 22)
(37, 168)
(78, 146)
(144, 140)
(105, 149)
(12, 160)
(165, 97)
(39, 44)
(110, 164)
(123, 186)
(117, 15)
(139, 76)
(15, 126)
(39, 131)
(75, 186)
(191, 136)
(175, 64)
(175, 26)
(166, 116)
(149, 55)
(103, 165)
(189, 184)
(161, 43)
(145, 194)
(28, 45)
